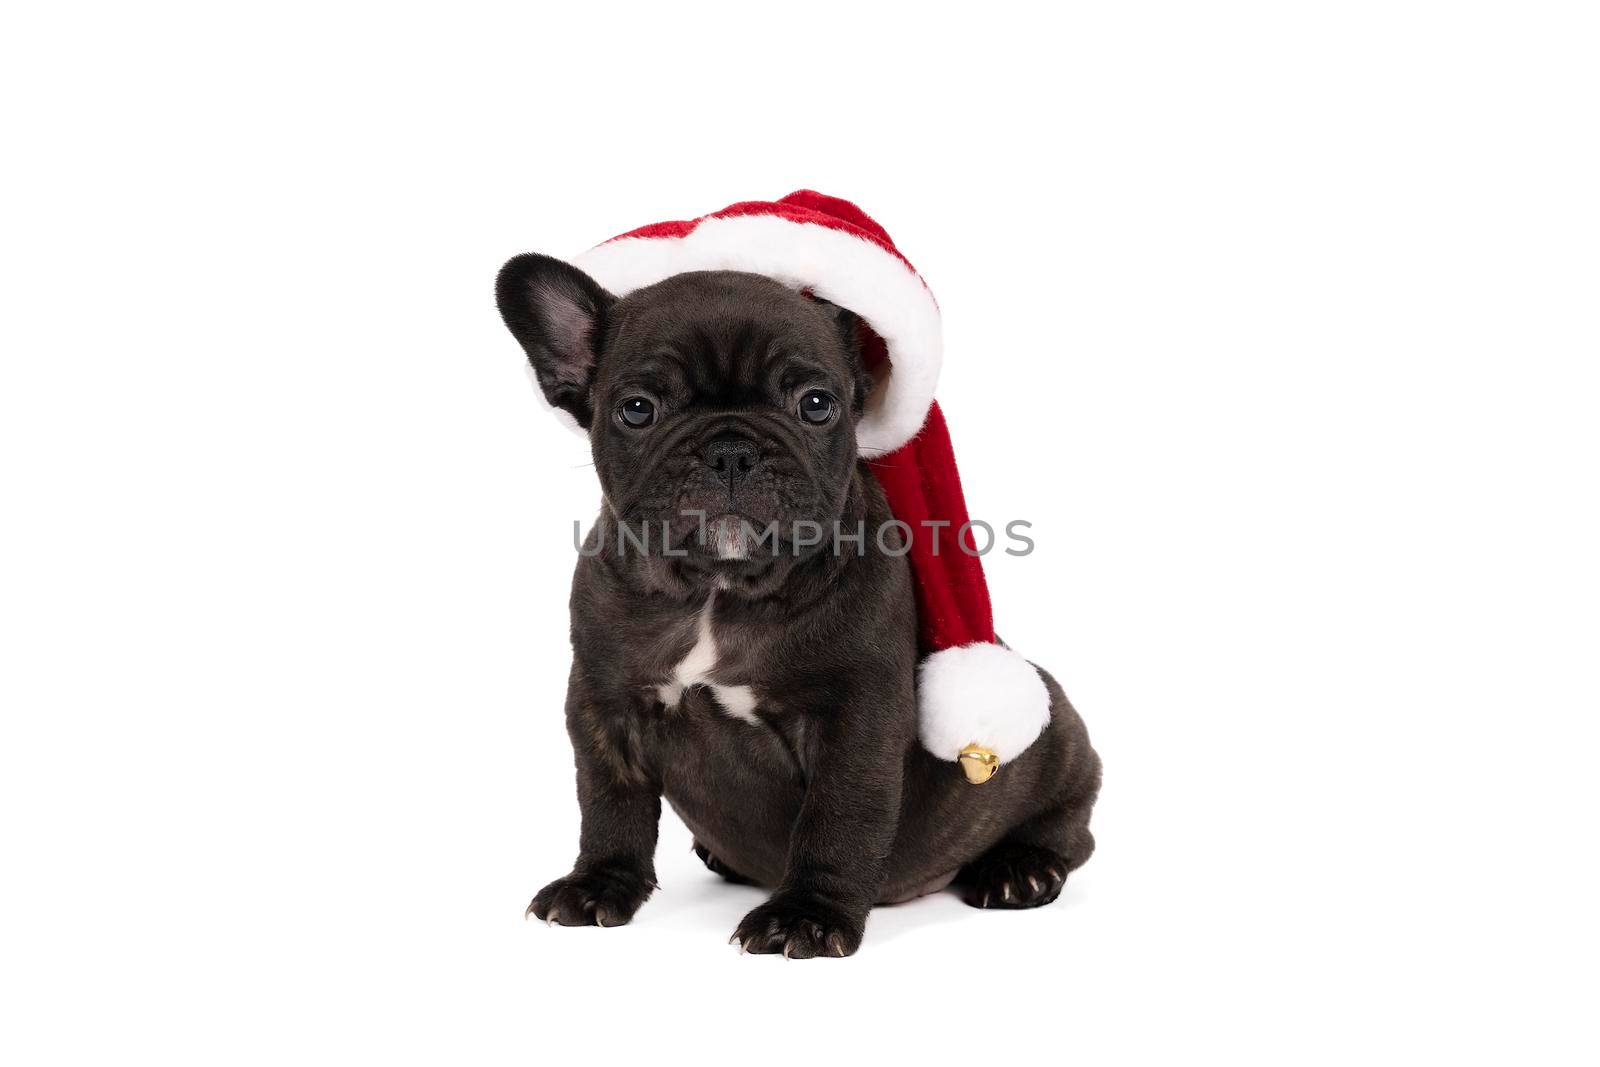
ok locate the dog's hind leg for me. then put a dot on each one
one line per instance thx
(716, 866)
(1029, 866)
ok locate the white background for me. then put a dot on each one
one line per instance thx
(1278, 321)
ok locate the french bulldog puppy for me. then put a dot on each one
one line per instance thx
(766, 690)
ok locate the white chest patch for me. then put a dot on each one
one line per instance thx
(695, 669)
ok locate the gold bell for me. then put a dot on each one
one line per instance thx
(979, 763)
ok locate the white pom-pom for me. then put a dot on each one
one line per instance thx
(981, 693)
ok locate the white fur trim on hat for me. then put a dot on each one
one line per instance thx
(566, 418)
(980, 693)
(837, 266)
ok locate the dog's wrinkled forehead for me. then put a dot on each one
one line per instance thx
(725, 337)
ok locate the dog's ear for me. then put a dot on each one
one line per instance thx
(558, 314)
(849, 325)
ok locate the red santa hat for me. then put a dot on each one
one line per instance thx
(971, 689)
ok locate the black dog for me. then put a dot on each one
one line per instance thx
(769, 695)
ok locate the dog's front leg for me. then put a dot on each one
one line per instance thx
(620, 805)
(841, 839)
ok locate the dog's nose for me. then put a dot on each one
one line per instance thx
(731, 457)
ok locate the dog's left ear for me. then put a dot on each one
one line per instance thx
(848, 323)
(558, 314)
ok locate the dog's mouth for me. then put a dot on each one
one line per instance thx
(730, 536)
(700, 516)
(735, 537)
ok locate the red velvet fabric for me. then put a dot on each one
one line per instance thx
(803, 205)
(922, 484)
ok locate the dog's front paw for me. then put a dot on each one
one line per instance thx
(800, 927)
(601, 896)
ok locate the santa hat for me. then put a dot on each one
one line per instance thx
(976, 697)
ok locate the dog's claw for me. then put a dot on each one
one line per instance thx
(1013, 875)
(601, 898)
(800, 928)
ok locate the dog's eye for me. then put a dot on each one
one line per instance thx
(816, 407)
(637, 412)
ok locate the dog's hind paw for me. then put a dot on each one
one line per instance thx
(716, 866)
(1013, 875)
